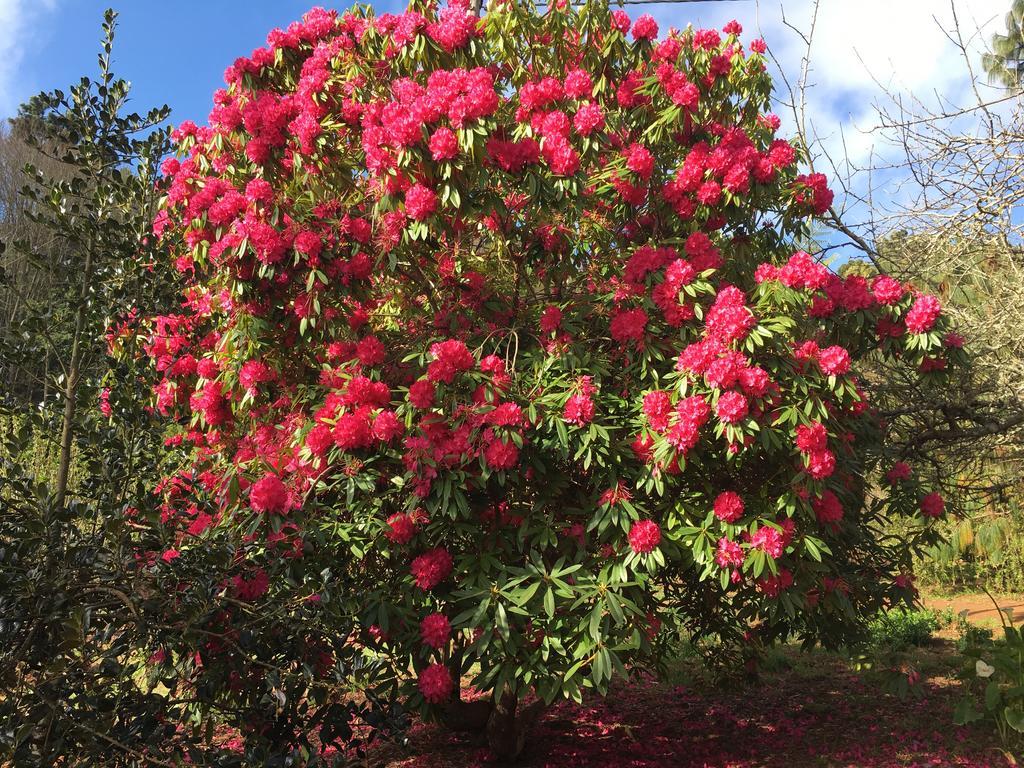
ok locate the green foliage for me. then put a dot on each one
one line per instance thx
(994, 679)
(984, 549)
(970, 635)
(1004, 64)
(899, 628)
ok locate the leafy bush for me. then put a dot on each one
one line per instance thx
(971, 636)
(900, 628)
(496, 359)
(88, 674)
(994, 681)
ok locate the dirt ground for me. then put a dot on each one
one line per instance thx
(809, 710)
(980, 608)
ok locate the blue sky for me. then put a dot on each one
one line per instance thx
(173, 52)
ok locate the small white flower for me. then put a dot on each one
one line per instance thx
(983, 669)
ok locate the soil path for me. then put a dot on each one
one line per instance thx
(979, 607)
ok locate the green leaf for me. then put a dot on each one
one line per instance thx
(1014, 718)
(966, 713)
(992, 696)
(523, 596)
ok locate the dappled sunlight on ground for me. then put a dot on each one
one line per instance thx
(816, 712)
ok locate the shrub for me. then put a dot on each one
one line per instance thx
(994, 682)
(500, 319)
(971, 636)
(900, 628)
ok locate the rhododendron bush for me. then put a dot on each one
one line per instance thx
(495, 335)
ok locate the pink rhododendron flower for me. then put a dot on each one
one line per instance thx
(770, 540)
(900, 471)
(401, 528)
(933, 505)
(644, 536)
(444, 144)
(501, 454)
(828, 508)
(728, 506)
(431, 568)
(731, 407)
(628, 326)
(728, 553)
(269, 495)
(923, 314)
(435, 683)
(811, 437)
(435, 630)
(645, 28)
(834, 361)
(420, 202)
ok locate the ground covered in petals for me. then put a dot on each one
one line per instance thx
(806, 710)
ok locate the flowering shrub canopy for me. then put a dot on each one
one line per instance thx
(498, 322)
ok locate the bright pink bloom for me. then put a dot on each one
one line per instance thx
(640, 160)
(579, 409)
(435, 683)
(834, 361)
(728, 554)
(550, 319)
(578, 84)
(420, 202)
(435, 630)
(821, 464)
(252, 373)
(657, 407)
(444, 144)
(450, 359)
(729, 506)
(886, 290)
(769, 539)
(501, 454)
(645, 28)
(923, 314)
(731, 407)
(629, 325)
(386, 426)
(269, 495)
(811, 437)
(421, 394)
(401, 528)
(644, 536)
(431, 568)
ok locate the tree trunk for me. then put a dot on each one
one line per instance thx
(71, 385)
(509, 726)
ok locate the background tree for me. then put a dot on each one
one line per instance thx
(954, 229)
(89, 674)
(1005, 62)
(77, 264)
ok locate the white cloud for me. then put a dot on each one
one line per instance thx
(17, 18)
